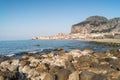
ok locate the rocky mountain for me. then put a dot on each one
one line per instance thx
(97, 24)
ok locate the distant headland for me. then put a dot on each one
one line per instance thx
(94, 27)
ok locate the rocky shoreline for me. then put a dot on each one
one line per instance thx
(63, 65)
(109, 42)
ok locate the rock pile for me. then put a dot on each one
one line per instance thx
(73, 65)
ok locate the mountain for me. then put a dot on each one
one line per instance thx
(97, 24)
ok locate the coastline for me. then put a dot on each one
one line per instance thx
(109, 42)
(71, 65)
(105, 40)
(63, 65)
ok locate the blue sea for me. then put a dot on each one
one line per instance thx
(14, 47)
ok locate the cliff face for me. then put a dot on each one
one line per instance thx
(97, 24)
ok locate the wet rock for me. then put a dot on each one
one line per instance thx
(62, 74)
(47, 51)
(4, 58)
(74, 76)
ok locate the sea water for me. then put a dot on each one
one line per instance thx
(14, 47)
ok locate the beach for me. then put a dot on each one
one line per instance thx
(62, 65)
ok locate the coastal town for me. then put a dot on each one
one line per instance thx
(62, 36)
(93, 28)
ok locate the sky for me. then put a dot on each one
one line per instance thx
(24, 19)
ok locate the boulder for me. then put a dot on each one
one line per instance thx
(62, 74)
(24, 62)
(26, 69)
(37, 56)
(114, 63)
(48, 77)
(2, 78)
(84, 62)
(34, 62)
(33, 73)
(54, 69)
(15, 62)
(70, 66)
(69, 58)
(5, 64)
(42, 67)
(61, 52)
(85, 75)
(99, 68)
(12, 67)
(74, 76)
(87, 51)
(99, 77)
(75, 53)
